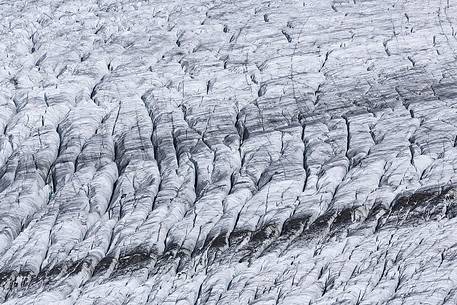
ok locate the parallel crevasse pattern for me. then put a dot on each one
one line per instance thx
(228, 152)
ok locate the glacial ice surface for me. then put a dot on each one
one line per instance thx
(228, 152)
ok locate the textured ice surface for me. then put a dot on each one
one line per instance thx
(228, 152)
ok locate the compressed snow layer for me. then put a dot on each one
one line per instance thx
(228, 152)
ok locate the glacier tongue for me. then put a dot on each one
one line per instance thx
(228, 152)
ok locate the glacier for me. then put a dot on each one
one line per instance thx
(228, 152)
